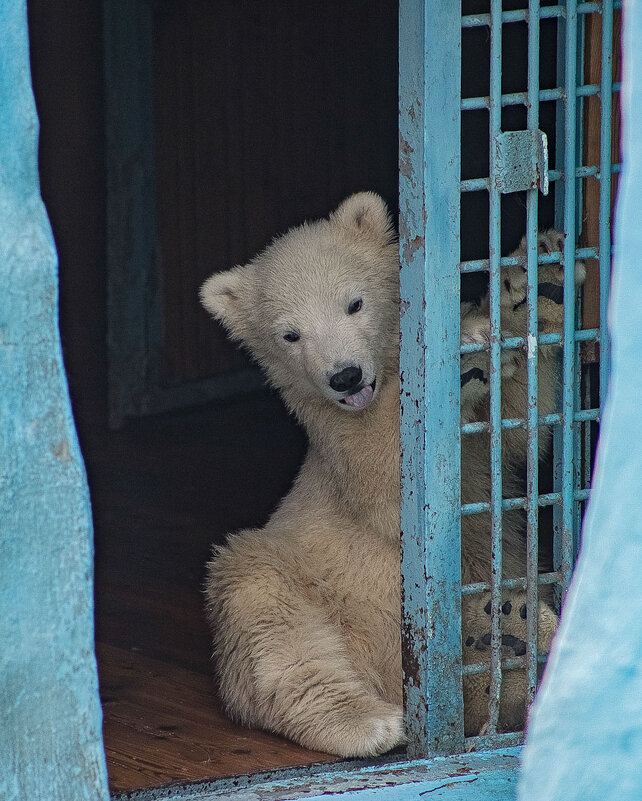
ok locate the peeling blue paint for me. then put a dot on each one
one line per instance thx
(485, 776)
(50, 720)
(429, 175)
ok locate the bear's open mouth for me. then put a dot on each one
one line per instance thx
(362, 398)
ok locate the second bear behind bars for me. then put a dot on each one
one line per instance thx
(305, 612)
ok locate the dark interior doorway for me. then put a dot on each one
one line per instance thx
(165, 487)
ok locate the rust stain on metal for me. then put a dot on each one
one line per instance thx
(405, 147)
(409, 248)
(405, 160)
(409, 658)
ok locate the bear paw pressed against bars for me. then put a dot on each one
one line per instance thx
(305, 613)
(476, 626)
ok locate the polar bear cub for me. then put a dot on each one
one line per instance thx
(305, 612)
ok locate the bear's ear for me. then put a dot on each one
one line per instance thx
(228, 297)
(365, 214)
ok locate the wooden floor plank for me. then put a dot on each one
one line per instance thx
(163, 724)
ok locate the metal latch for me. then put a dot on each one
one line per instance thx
(521, 161)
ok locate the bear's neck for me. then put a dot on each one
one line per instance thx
(358, 453)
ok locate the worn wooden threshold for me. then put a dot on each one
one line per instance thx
(489, 776)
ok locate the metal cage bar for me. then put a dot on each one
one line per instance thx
(606, 89)
(567, 474)
(559, 224)
(580, 173)
(532, 447)
(495, 416)
(430, 92)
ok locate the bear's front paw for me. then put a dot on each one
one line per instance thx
(550, 285)
(476, 642)
(513, 623)
(384, 730)
(358, 731)
(475, 367)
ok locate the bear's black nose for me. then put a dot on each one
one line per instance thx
(346, 379)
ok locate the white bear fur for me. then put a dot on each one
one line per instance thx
(305, 612)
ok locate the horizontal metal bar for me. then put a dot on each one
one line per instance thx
(510, 584)
(586, 253)
(583, 416)
(512, 99)
(518, 15)
(510, 343)
(490, 742)
(521, 15)
(586, 172)
(480, 265)
(481, 184)
(587, 334)
(510, 663)
(474, 184)
(587, 89)
(509, 504)
(513, 343)
(587, 415)
(545, 96)
(594, 170)
(556, 175)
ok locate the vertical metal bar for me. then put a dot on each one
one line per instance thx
(429, 155)
(577, 438)
(568, 356)
(606, 97)
(580, 40)
(586, 446)
(495, 417)
(560, 110)
(584, 453)
(580, 102)
(532, 454)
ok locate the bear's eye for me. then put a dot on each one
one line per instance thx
(291, 336)
(355, 306)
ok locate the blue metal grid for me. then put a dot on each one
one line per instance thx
(430, 193)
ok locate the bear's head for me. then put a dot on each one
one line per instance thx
(318, 308)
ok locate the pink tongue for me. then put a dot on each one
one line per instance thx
(360, 399)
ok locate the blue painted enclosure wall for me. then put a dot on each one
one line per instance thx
(585, 737)
(50, 721)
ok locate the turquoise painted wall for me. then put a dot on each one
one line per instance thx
(50, 720)
(585, 736)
